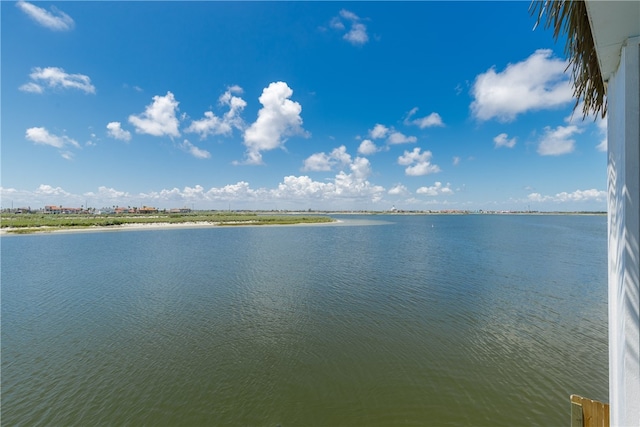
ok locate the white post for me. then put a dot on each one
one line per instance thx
(623, 178)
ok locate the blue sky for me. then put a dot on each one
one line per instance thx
(292, 105)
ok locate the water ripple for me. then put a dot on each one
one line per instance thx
(462, 320)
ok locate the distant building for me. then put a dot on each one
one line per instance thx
(179, 210)
(147, 210)
(52, 209)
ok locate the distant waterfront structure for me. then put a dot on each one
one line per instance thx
(179, 210)
(52, 209)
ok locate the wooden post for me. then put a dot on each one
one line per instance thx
(576, 413)
(588, 413)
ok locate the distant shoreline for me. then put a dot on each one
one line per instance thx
(15, 231)
(141, 226)
(373, 213)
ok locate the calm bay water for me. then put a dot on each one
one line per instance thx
(392, 320)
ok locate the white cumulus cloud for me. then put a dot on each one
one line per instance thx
(379, 131)
(32, 88)
(400, 138)
(392, 136)
(233, 191)
(367, 147)
(159, 118)
(336, 24)
(431, 120)
(538, 82)
(48, 190)
(558, 141)
(56, 78)
(344, 187)
(503, 140)
(576, 118)
(55, 20)
(109, 194)
(302, 187)
(436, 189)
(114, 130)
(317, 162)
(196, 152)
(357, 33)
(338, 158)
(278, 119)
(360, 168)
(214, 125)
(398, 190)
(340, 155)
(350, 183)
(209, 125)
(590, 195)
(418, 163)
(346, 14)
(41, 135)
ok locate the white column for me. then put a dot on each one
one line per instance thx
(623, 178)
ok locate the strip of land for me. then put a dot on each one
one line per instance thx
(48, 223)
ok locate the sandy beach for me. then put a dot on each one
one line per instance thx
(11, 231)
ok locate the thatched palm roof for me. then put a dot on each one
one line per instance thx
(569, 17)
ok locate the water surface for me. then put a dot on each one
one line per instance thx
(417, 320)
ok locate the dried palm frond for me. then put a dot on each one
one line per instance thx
(570, 17)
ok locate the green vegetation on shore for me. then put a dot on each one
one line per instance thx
(30, 223)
